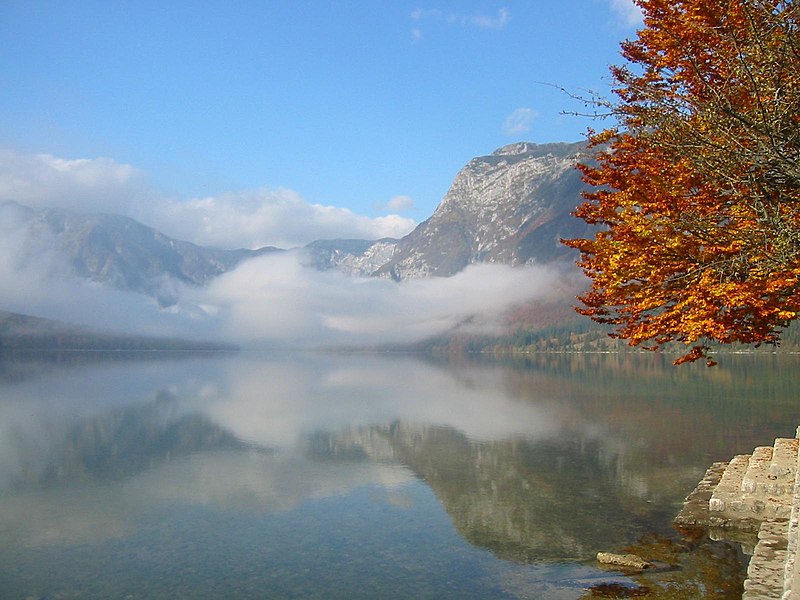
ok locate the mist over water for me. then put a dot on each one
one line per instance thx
(277, 298)
(272, 300)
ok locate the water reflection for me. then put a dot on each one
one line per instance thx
(547, 460)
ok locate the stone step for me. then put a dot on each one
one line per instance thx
(783, 468)
(768, 483)
(791, 584)
(757, 494)
(757, 487)
(757, 473)
(729, 488)
(765, 573)
(791, 576)
(694, 513)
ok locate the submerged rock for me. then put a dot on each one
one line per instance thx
(629, 561)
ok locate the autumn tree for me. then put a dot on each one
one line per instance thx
(697, 187)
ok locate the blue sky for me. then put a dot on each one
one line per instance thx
(270, 112)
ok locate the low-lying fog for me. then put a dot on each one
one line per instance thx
(271, 300)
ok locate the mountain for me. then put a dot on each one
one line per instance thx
(118, 251)
(24, 332)
(512, 206)
(352, 257)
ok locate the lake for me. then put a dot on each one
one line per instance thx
(321, 475)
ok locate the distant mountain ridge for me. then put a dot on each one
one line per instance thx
(120, 252)
(24, 332)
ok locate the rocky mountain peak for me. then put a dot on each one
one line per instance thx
(514, 149)
(512, 206)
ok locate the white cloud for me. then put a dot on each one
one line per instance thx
(419, 14)
(245, 219)
(89, 185)
(400, 203)
(485, 22)
(519, 121)
(480, 21)
(628, 12)
(265, 217)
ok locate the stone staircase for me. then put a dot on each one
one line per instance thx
(755, 494)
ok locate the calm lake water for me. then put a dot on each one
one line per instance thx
(363, 476)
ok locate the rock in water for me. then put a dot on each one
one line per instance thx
(629, 561)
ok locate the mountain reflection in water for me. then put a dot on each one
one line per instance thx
(551, 459)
